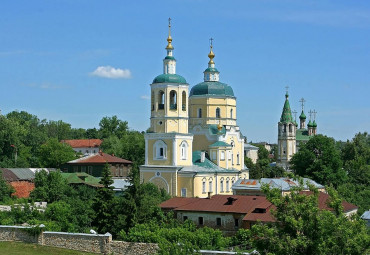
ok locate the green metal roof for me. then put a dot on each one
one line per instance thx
(81, 178)
(211, 69)
(170, 57)
(207, 165)
(310, 124)
(169, 78)
(220, 144)
(286, 115)
(212, 88)
(302, 135)
(302, 116)
(213, 130)
(314, 124)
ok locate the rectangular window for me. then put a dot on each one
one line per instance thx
(218, 221)
(200, 221)
(222, 156)
(90, 169)
(214, 155)
(185, 218)
(83, 169)
(183, 192)
(236, 223)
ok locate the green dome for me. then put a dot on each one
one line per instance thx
(212, 88)
(310, 124)
(314, 124)
(211, 69)
(169, 78)
(169, 57)
(302, 116)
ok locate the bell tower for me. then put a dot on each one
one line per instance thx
(286, 134)
(168, 141)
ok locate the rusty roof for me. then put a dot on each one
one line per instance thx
(218, 203)
(178, 202)
(83, 143)
(8, 175)
(99, 158)
(324, 199)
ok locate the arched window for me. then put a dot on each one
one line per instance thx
(173, 100)
(290, 128)
(231, 113)
(218, 113)
(204, 185)
(184, 101)
(160, 100)
(222, 185)
(232, 144)
(184, 150)
(227, 184)
(284, 128)
(238, 159)
(152, 99)
(210, 183)
(160, 150)
(232, 181)
(199, 112)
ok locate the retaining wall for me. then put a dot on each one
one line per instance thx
(95, 243)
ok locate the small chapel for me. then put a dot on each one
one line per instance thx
(194, 147)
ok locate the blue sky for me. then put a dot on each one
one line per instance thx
(49, 51)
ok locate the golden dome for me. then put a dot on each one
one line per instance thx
(219, 127)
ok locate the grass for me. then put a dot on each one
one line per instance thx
(18, 248)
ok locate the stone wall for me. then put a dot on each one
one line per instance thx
(102, 244)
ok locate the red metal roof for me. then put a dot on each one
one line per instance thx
(83, 143)
(218, 203)
(100, 157)
(177, 202)
(323, 202)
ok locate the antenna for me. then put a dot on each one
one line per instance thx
(314, 114)
(295, 115)
(310, 112)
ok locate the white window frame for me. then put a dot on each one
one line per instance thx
(183, 192)
(184, 150)
(222, 185)
(222, 155)
(204, 189)
(210, 185)
(227, 185)
(158, 145)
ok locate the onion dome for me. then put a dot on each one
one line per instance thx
(314, 124)
(302, 116)
(310, 124)
(169, 78)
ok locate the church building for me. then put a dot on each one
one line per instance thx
(290, 137)
(194, 147)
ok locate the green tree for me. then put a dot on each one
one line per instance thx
(50, 187)
(6, 190)
(54, 154)
(305, 229)
(320, 160)
(112, 126)
(104, 203)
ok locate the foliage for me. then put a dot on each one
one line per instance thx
(304, 229)
(6, 189)
(356, 162)
(50, 187)
(112, 126)
(104, 202)
(175, 238)
(54, 154)
(320, 160)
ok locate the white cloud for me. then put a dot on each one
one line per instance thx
(111, 72)
(145, 97)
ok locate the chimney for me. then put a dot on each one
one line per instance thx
(230, 200)
(202, 156)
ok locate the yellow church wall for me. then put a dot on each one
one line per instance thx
(187, 183)
(238, 148)
(165, 180)
(167, 160)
